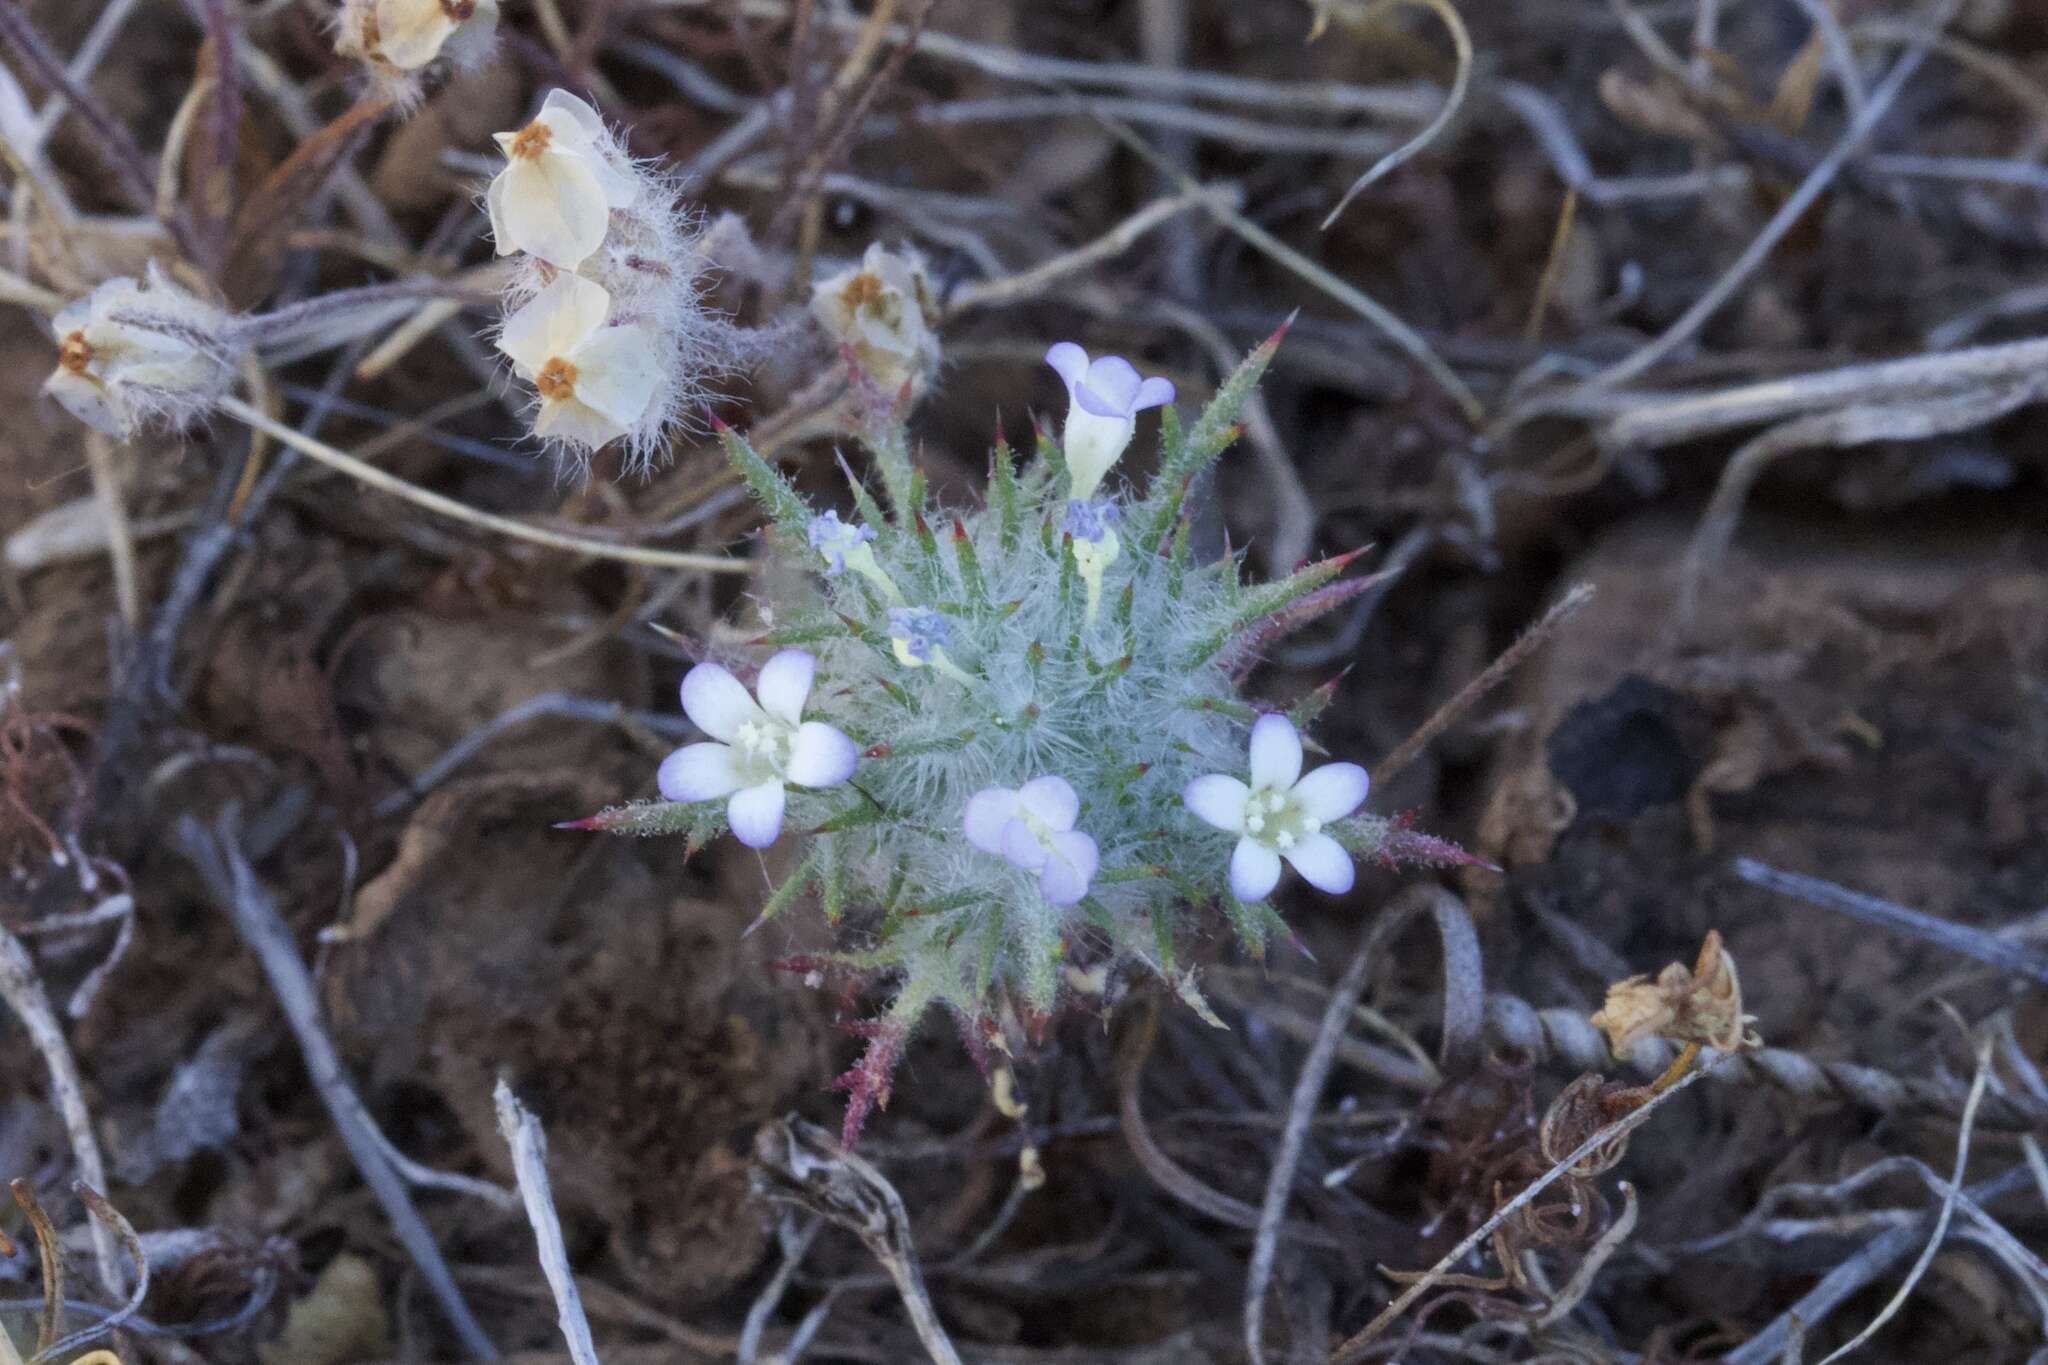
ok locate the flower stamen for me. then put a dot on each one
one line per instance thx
(75, 353)
(530, 141)
(556, 381)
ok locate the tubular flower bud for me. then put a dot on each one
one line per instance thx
(1104, 398)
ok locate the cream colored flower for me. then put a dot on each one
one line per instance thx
(131, 351)
(883, 311)
(563, 176)
(595, 382)
(409, 34)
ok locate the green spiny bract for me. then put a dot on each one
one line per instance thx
(1015, 679)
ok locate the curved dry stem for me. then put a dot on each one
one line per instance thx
(1357, 1346)
(1941, 1221)
(448, 507)
(1461, 84)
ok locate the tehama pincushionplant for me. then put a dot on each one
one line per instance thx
(1012, 737)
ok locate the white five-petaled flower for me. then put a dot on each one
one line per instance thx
(1281, 814)
(1033, 827)
(134, 350)
(757, 747)
(409, 34)
(594, 381)
(1104, 397)
(563, 176)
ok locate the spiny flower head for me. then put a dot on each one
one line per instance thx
(135, 352)
(1027, 728)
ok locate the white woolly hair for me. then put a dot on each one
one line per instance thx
(657, 275)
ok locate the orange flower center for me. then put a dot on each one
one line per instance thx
(532, 140)
(863, 289)
(556, 380)
(74, 353)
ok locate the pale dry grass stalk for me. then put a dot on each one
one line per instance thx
(383, 482)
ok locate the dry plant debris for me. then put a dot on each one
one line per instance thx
(1645, 486)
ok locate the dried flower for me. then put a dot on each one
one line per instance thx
(1702, 1006)
(408, 35)
(1281, 814)
(594, 381)
(1104, 397)
(564, 174)
(1033, 828)
(883, 311)
(758, 745)
(132, 352)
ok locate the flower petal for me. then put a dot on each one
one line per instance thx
(1114, 381)
(561, 111)
(1069, 867)
(1332, 791)
(90, 401)
(755, 814)
(1217, 800)
(698, 772)
(1276, 752)
(555, 209)
(1051, 799)
(554, 322)
(575, 422)
(716, 702)
(821, 755)
(1022, 847)
(786, 684)
(410, 32)
(617, 371)
(988, 810)
(1254, 871)
(1323, 861)
(1155, 392)
(1069, 361)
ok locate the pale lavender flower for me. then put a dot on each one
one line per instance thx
(1104, 398)
(1091, 519)
(1281, 814)
(835, 540)
(1032, 827)
(917, 633)
(758, 745)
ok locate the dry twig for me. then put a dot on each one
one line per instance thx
(217, 856)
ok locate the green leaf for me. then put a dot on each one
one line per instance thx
(649, 817)
(970, 567)
(776, 494)
(891, 455)
(1184, 459)
(1003, 495)
(1261, 602)
(785, 895)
